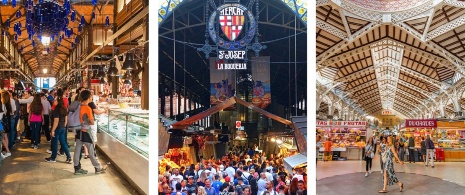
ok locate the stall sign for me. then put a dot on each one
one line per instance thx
(238, 124)
(421, 123)
(341, 123)
(387, 113)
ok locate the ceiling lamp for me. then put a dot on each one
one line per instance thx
(112, 71)
(127, 75)
(47, 17)
(102, 81)
(101, 73)
(45, 71)
(129, 62)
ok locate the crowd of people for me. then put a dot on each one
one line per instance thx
(242, 172)
(51, 113)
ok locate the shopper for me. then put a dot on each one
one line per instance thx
(190, 185)
(27, 99)
(327, 153)
(261, 184)
(269, 188)
(3, 134)
(411, 149)
(178, 188)
(382, 147)
(429, 151)
(389, 175)
(83, 136)
(301, 187)
(201, 191)
(60, 120)
(369, 155)
(36, 120)
(209, 188)
(318, 146)
(423, 149)
(401, 149)
(47, 109)
(217, 183)
(8, 122)
(17, 115)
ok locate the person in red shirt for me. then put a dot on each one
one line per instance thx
(327, 146)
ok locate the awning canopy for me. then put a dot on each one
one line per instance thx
(227, 103)
(294, 161)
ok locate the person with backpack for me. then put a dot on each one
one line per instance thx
(60, 119)
(83, 136)
(36, 120)
(429, 150)
(2, 133)
(253, 181)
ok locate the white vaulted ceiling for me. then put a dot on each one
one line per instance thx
(391, 54)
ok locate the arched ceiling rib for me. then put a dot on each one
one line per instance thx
(403, 62)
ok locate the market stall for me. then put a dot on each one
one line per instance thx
(348, 138)
(124, 138)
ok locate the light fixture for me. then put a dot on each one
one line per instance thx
(45, 71)
(273, 139)
(102, 81)
(129, 62)
(46, 17)
(45, 41)
(101, 73)
(278, 141)
(112, 71)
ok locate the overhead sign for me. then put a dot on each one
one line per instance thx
(341, 123)
(238, 124)
(387, 113)
(421, 123)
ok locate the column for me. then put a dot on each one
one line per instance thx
(441, 109)
(330, 111)
(145, 68)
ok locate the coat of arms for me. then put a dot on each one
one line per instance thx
(231, 20)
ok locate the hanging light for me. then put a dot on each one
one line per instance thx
(129, 62)
(73, 15)
(93, 15)
(13, 3)
(102, 81)
(18, 14)
(47, 17)
(101, 73)
(112, 71)
(5, 2)
(107, 21)
(45, 71)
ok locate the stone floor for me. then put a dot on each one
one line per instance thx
(348, 177)
(26, 172)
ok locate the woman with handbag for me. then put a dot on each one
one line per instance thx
(389, 175)
(369, 155)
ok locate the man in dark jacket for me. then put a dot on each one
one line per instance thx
(411, 149)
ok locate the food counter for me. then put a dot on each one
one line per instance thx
(124, 138)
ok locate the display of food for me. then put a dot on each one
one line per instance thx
(131, 129)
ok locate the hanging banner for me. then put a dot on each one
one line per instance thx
(222, 81)
(261, 96)
(421, 123)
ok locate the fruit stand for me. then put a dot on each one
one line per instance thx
(348, 138)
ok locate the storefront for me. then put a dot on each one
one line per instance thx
(348, 138)
(446, 135)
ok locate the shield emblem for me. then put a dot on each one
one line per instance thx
(232, 25)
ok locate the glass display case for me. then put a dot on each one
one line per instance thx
(128, 125)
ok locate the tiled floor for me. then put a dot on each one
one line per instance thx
(347, 177)
(26, 172)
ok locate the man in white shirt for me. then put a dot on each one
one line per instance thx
(175, 178)
(245, 171)
(261, 183)
(213, 170)
(269, 188)
(269, 176)
(27, 99)
(230, 170)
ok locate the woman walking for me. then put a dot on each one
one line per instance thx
(60, 120)
(389, 175)
(36, 120)
(401, 150)
(369, 155)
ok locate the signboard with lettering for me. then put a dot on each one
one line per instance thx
(341, 123)
(421, 123)
(387, 113)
